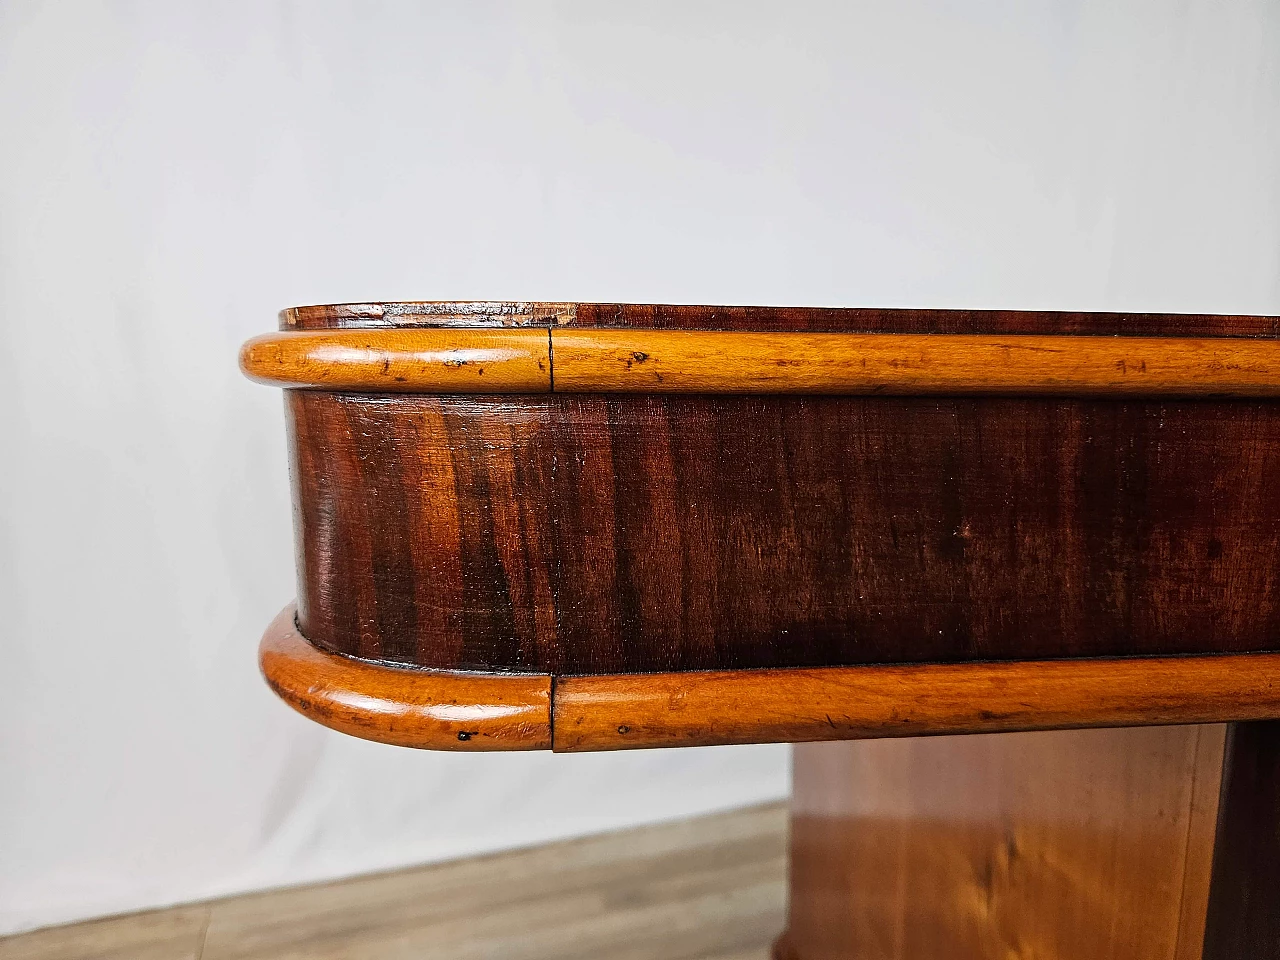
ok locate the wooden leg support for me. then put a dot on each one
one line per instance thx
(1071, 845)
(1244, 901)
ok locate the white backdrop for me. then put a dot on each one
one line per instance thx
(173, 173)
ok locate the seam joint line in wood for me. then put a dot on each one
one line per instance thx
(544, 360)
(448, 710)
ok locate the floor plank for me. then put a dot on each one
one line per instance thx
(174, 934)
(712, 888)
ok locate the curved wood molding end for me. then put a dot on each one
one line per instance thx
(404, 360)
(405, 707)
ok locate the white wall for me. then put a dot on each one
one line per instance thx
(173, 173)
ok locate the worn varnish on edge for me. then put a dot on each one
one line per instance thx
(403, 360)
(427, 313)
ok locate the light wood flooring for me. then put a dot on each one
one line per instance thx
(705, 889)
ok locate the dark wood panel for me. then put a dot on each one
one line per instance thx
(895, 320)
(602, 535)
(816, 319)
(422, 529)
(1244, 899)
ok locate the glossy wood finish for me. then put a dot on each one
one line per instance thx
(1244, 909)
(403, 361)
(649, 361)
(1100, 553)
(468, 711)
(889, 364)
(1081, 845)
(408, 708)
(698, 709)
(584, 535)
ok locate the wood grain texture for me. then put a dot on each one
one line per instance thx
(1244, 906)
(699, 709)
(888, 364)
(1078, 845)
(705, 889)
(595, 535)
(466, 711)
(710, 888)
(177, 933)
(653, 361)
(408, 708)
(1202, 833)
(403, 361)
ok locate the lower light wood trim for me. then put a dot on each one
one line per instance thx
(408, 708)
(467, 711)
(845, 703)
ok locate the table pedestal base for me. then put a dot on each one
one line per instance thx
(1125, 843)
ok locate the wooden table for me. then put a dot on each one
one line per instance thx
(575, 526)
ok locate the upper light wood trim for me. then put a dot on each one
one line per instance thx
(543, 360)
(846, 703)
(409, 708)
(654, 361)
(427, 360)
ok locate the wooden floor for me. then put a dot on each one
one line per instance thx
(710, 889)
